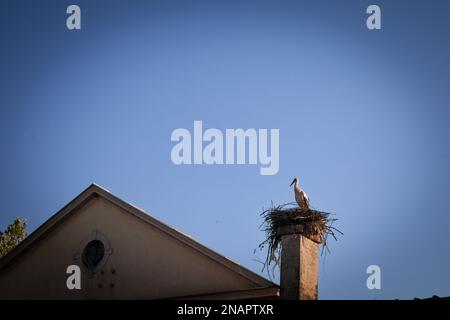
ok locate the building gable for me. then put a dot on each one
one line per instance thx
(143, 258)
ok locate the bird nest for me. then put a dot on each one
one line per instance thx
(314, 224)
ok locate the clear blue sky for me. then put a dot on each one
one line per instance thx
(363, 118)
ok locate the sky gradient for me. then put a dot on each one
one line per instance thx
(363, 118)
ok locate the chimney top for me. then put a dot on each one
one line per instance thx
(297, 229)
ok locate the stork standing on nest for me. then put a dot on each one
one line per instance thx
(300, 196)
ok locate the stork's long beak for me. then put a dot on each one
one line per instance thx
(292, 183)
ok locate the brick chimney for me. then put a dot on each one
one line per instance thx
(299, 264)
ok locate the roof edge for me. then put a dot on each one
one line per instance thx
(272, 292)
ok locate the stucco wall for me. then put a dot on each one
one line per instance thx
(145, 263)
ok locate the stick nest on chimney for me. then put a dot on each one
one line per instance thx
(316, 225)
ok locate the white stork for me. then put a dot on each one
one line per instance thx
(300, 196)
